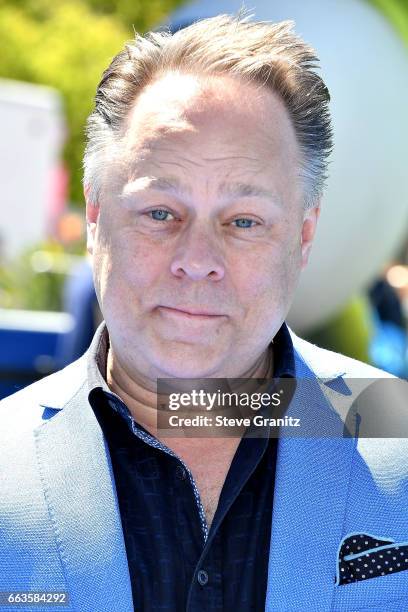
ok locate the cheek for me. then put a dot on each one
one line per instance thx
(289, 276)
(266, 278)
(126, 265)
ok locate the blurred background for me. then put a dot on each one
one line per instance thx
(352, 298)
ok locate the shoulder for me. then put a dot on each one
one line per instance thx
(25, 408)
(329, 364)
(385, 454)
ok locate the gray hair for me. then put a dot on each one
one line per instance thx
(266, 53)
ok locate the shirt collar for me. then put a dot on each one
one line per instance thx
(283, 354)
(97, 357)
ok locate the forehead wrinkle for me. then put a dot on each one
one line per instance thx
(230, 157)
(170, 183)
(232, 189)
(242, 190)
(145, 157)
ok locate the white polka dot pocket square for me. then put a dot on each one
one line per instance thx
(362, 556)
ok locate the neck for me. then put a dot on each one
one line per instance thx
(142, 401)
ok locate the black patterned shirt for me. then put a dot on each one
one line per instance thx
(176, 563)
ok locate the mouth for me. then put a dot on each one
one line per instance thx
(192, 314)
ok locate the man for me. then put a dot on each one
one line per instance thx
(206, 158)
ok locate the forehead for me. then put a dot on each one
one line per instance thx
(184, 103)
(188, 122)
(178, 100)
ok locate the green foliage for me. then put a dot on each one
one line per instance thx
(349, 332)
(34, 281)
(397, 12)
(67, 45)
(143, 15)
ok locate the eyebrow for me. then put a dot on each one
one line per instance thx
(237, 189)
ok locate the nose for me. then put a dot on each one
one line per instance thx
(198, 256)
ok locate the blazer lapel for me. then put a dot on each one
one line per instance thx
(77, 477)
(311, 488)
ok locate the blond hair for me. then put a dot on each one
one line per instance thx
(261, 52)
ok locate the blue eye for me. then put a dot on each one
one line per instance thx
(245, 221)
(162, 214)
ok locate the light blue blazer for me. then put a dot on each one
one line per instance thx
(60, 527)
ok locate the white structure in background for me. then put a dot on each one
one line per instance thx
(32, 134)
(365, 210)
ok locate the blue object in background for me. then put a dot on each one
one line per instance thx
(389, 348)
(389, 345)
(28, 346)
(79, 300)
(34, 344)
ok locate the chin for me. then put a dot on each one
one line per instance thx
(190, 371)
(184, 364)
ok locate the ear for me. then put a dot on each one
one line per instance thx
(92, 214)
(310, 219)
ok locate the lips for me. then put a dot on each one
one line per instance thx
(192, 313)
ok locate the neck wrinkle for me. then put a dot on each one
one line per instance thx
(145, 412)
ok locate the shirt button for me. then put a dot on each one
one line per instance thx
(202, 577)
(181, 473)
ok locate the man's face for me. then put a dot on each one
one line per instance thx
(201, 212)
